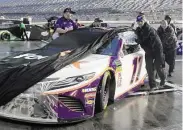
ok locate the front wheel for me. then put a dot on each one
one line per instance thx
(102, 96)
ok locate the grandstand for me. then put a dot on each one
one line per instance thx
(88, 9)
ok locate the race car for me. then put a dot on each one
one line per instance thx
(179, 41)
(72, 77)
(10, 30)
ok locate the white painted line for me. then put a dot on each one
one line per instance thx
(153, 92)
(179, 60)
(164, 90)
(176, 86)
(138, 93)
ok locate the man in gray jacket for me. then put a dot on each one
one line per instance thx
(151, 43)
(169, 40)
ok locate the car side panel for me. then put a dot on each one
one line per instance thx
(133, 69)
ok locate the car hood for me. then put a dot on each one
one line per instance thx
(93, 63)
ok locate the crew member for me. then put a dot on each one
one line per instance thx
(97, 23)
(169, 40)
(169, 19)
(23, 31)
(78, 24)
(65, 24)
(134, 24)
(151, 43)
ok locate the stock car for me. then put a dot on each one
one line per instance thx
(110, 66)
(10, 30)
(179, 41)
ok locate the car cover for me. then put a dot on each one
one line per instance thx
(36, 32)
(20, 72)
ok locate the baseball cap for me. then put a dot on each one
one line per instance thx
(69, 10)
(140, 18)
(98, 20)
(167, 17)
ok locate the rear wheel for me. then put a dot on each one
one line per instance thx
(5, 36)
(102, 97)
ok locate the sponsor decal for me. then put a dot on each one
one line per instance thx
(90, 102)
(117, 63)
(119, 80)
(137, 65)
(121, 54)
(90, 95)
(78, 64)
(87, 90)
(44, 33)
(30, 56)
(118, 69)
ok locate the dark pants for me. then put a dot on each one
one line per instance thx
(152, 63)
(23, 32)
(170, 60)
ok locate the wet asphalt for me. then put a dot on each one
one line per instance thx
(150, 112)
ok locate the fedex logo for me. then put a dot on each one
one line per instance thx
(30, 56)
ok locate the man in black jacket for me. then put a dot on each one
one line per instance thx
(169, 19)
(151, 43)
(97, 23)
(169, 40)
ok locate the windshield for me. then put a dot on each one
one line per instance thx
(110, 48)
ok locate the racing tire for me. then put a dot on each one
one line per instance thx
(5, 36)
(102, 96)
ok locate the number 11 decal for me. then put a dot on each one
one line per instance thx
(137, 63)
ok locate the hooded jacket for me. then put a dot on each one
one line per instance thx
(168, 38)
(149, 40)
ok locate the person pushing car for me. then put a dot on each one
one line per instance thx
(23, 31)
(97, 23)
(154, 57)
(169, 19)
(169, 40)
(65, 23)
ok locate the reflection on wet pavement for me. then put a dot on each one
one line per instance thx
(157, 112)
(8, 48)
(177, 75)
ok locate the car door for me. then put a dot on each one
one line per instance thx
(132, 64)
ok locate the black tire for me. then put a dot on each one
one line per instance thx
(5, 36)
(102, 97)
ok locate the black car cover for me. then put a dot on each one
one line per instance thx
(36, 32)
(20, 72)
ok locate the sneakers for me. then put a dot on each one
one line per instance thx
(162, 84)
(170, 75)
